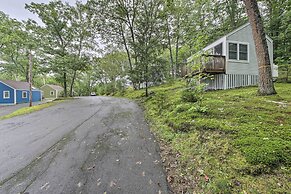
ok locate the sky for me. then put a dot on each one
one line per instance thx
(15, 8)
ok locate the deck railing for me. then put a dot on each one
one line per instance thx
(213, 64)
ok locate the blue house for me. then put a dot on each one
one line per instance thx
(16, 92)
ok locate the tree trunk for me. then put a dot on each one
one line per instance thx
(128, 55)
(177, 69)
(146, 80)
(27, 70)
(65, 84)
(170, 49)
(266, 86)
(72, 83)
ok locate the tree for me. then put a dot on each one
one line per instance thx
(266, 86)
(56, 34)
(118, 27)
(177, 17)
(83, 25)
(16, 42)
(68, 38)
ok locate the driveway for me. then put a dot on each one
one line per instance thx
(89, 145)
(7, 109)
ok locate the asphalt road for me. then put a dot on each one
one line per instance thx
(88, 145)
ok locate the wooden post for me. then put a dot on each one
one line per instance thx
(30, 79)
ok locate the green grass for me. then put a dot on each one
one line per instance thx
(238, 143)
(27, 110)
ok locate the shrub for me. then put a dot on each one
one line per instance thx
(189, 95)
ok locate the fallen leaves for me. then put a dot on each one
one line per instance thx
(112, 183)
(90, 168)
(45, 186)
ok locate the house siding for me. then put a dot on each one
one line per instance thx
(240, 67)
(4, 87)
(36, 96)
(46, 92)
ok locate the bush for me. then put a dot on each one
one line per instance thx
(189, 95)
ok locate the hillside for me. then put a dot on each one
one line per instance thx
(232, 142)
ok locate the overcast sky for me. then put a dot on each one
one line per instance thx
(15, 8)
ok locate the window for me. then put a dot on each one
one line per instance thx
(238, 51)
(243, 52)
(218, 49)
(24, 94)
(52, 93)
(232, 47)
(6, 94)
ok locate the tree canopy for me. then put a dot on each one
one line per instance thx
(150, 40)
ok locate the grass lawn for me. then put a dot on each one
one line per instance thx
(27, 110)
(235, 142)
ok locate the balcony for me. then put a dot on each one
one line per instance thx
(213, 64)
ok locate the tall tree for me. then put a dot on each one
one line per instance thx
(83, 25)
(266, 86)
(57, 35)
(118, 18)
(148, 39)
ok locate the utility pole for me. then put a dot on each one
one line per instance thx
(30, 79)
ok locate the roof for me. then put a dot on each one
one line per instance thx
(55, 87)
(231, 33)
(18, 85)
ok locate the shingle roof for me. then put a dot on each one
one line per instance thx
(18, 85)
(55, 87)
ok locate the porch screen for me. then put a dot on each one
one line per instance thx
(218, 49)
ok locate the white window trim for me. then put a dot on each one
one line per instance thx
(4, 94)
(24, 92)
(237, 49)
(52, 93)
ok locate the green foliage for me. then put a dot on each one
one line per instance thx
(241, 142)
(271, 151)
(189, 95)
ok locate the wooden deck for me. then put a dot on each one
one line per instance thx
(213, 64)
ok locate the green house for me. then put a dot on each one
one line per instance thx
(51, 91)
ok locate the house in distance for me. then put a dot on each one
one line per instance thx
(51, 91)
(16, 92)
(231, 60)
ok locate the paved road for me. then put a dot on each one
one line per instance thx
(88, 145)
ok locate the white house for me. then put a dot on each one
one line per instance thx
(233, 61)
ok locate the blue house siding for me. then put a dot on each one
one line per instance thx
(4, 87)
(36, 96)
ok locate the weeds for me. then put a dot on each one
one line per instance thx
(232, 141)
